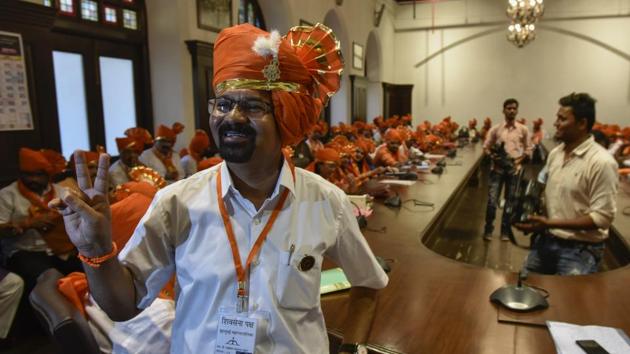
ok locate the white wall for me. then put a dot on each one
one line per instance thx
(473, 78)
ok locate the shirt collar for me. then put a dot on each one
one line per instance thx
(582, 148)
(285, 179)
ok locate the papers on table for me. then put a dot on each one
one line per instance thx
(333, 280)
(434, 156)
(564, 335)
(398, 182)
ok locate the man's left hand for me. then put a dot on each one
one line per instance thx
(535, 223)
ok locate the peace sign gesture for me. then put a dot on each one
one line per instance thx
(86, 213)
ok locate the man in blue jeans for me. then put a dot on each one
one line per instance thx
(507, 144)
(580, 196)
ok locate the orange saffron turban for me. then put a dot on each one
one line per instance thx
(167, 133)
(129, 143)
(302, 70)
(34, 161)
(327, 155)
(199, 142)
(393, 134)
(140, 134)
(56, 159)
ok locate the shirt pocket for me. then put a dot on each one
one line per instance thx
(297, 285)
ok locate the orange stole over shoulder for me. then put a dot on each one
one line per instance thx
(56, 237)
(168, 163)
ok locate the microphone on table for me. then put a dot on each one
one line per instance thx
(520, 297)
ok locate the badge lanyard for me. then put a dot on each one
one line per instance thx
(241, 273)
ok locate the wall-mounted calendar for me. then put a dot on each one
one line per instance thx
(15, 109)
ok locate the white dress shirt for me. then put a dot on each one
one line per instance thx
(149, 159)
(183, 232)
(117, 174)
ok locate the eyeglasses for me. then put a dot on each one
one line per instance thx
(252, 108)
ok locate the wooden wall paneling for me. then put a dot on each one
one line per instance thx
(201, 54)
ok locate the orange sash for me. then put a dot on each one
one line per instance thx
(56, 237)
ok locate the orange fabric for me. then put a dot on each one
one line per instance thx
(129, 143)
(171, 133)
(39, 204)
(295, 112)
(384, 157)
(393, 135)
(126, 215)
(624, 171)
(327, 155)
(209, 162)
(140, 134)
(34, 161)
(198, 144)
(56, 159)
(74, 287)
(126, 189)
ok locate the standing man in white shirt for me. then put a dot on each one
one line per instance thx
(246, 238)
(580, 196)
(514, 137)
(161, 157)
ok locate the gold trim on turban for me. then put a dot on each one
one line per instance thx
(252, 84)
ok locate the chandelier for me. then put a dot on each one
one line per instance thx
(523, 15)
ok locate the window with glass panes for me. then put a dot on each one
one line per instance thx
(249, 12)
(123, 14)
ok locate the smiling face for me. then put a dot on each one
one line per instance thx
(242, 123)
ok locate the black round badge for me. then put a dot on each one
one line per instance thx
(307, 263)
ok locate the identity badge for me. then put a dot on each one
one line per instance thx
(236, 334)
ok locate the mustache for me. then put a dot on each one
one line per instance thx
(238, 128)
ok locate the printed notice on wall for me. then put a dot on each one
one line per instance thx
(15, 109)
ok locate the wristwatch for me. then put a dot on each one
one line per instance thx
(354, 348)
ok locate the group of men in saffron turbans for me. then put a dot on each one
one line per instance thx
(201, 226)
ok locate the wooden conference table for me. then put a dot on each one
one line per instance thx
(434, 304)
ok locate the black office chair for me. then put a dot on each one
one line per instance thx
(63, 322)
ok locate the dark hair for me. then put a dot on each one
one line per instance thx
(582, 105)
(510, 101)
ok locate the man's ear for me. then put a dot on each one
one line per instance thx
(582, 123)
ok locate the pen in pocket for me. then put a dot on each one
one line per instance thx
(291, 250)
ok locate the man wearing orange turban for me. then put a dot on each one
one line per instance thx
(129, 150)
(197, 149)
(270, 91)
(26, 220)
(161, 157)
(390, 154)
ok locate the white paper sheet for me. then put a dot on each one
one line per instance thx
(398, 182)
(564, 335)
